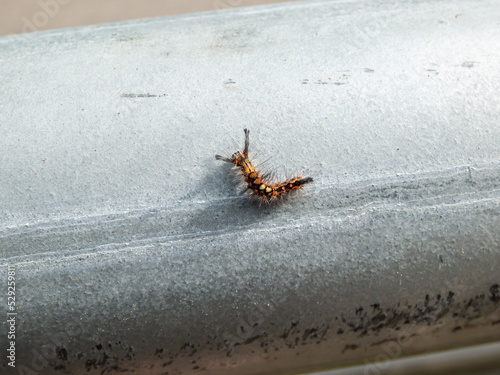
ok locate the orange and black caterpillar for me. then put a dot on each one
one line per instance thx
(257, 183)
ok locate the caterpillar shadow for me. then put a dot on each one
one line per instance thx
(229, 205)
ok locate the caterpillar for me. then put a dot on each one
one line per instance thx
(257, 183)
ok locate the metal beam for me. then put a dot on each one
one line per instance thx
(133, 249)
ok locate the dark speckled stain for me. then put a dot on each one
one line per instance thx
(107, 362)
(323, 82)
(364, 321)
(252, 339)
(292, 330)
(146, 95)
(495, 293)
(469, 64)
(350, 347)
(158, 352)
(188, 349)
(61, 353)
(375, 319)
(310, 333)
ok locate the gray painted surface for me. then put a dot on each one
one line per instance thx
(133, 248)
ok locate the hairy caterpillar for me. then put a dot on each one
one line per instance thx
(257, 183)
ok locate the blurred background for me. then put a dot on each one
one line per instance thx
(37, 15)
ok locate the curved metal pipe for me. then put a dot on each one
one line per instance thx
(133, 250)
